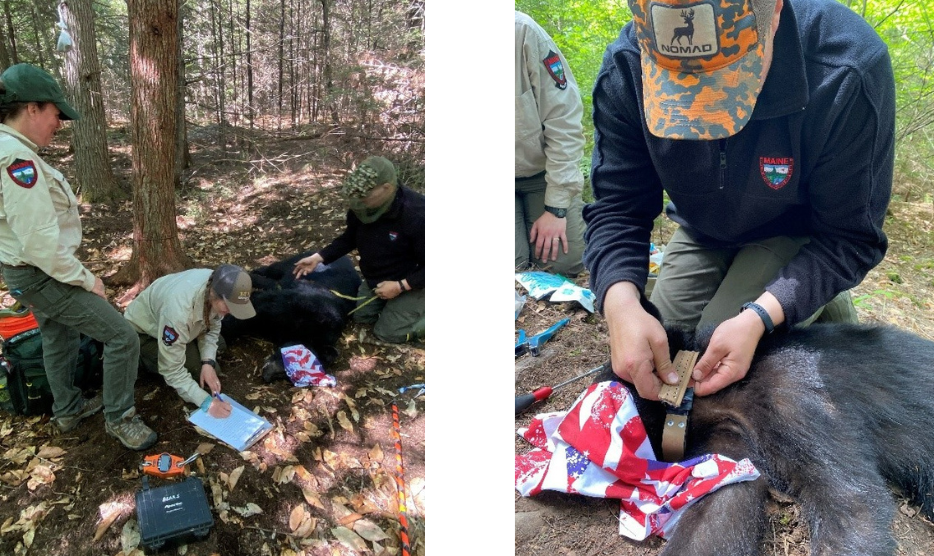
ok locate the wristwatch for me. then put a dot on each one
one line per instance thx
(560, 213)
(210, 362)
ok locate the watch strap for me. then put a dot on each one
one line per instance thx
(558, 212)
(763, 314)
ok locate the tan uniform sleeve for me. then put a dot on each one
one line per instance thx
(32, 217)
(559, 111)
(172, 363)
(207, 344)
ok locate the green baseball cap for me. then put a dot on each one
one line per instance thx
(27, 83)
(372, 172)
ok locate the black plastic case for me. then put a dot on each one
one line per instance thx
(173, 513)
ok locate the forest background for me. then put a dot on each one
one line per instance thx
(583, 29)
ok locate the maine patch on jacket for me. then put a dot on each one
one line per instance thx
(169, 335)
(555, 69)
(23, 172)
(776, 171)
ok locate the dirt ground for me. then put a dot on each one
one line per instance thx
(898, 292)
(322, 481)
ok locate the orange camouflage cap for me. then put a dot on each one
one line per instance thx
(701, 64)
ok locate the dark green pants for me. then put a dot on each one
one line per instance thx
(149, 355)
(698, 285)
(400, 319)
(530, 204)
(65, 312)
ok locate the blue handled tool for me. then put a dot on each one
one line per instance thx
(534, 343)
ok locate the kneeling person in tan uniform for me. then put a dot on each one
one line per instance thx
(178, 318)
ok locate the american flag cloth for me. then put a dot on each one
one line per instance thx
(599, 448)
(303, 368)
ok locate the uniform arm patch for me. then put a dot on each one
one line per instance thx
(23, 173)
(169, 335)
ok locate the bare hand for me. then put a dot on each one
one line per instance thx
(388, 289)
(209, 379)
(99, 288)
(729, 353)
(219, 409)
(307, 265)
(548, 232)
(638, 342)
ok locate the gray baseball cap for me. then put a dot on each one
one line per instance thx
(234, 286)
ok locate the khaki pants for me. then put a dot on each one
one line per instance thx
(530, 204)
(700, 286)
(398, 320)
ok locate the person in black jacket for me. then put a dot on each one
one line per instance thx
(386, 225)
(770, 125)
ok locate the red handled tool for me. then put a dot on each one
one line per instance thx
(166, 465)
(525, 401)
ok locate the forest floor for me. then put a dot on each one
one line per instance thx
(322, 481)
(900, 291)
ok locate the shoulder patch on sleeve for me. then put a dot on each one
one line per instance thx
(23, 172)
(556, 69)
(169, 335)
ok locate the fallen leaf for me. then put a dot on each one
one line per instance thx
(376, 454)
(307, 527)
(49, 452)
(344, 421)
(349, 538)
(205, 448)
(248, 510)
(234, 477)
(40, 475)
(411, 410)
(312, 497)
(349, 518)
(332, 459)
(369, 530)
(298, 515)
(130, 536)
(28, 536)
(302, 474)
(109, 514)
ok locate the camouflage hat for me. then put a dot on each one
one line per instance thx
(701, 64)
(372, 172)
(27, 83)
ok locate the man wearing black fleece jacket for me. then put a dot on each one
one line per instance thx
(770, 124)
(386, 225)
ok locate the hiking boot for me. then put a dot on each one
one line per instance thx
(131, 431)
(369, 338)
(88, 407)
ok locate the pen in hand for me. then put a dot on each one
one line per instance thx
(223, 408)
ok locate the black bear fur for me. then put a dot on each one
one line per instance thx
(830, 415)
(293, 311)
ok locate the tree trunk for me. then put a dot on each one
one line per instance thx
(182, 153)
(47, 33)
(326, 48)
(281, 59)
(4, 51)
(94, 174)
(11, 33)
(154, 93)
(249, 66)
(37, 26)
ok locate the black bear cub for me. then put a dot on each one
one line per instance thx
(311, 310)
(830, 415)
